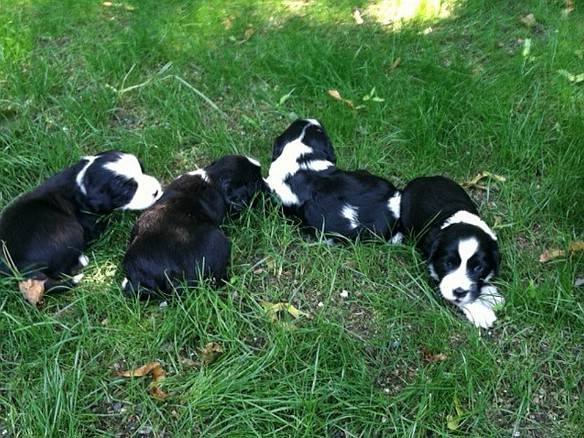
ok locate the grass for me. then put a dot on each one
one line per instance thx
(179, 84)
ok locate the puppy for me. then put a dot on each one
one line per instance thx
(178, 241)
(45, 231)
(460, 249)
(325, 198)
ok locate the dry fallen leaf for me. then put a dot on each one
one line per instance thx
(158, 374)
(357, 17)
(554, 253)
(32, 290)
(210, 352)
(395, 64)
(550, 254)
(474, 183)
(569, 8)
(430, 357)
(228, 22)
(336, 95)
(528, 20)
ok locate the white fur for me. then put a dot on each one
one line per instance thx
(83, 260)
(468, 218)
(77, 278)
(254, 161)
(147, 193)
(124, 283)
(81, 174)
(201, 173)
(351, 213)
(394, 204)
(397, 238)
(459, 278)
(287, 165)
(480, 314)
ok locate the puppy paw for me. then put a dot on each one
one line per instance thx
(490, 297)
(77, 278)
(479, 314)
(83, 260)
(397, 238)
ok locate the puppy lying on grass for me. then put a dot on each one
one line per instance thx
(178, 241)
(325, 198)
(45, 231)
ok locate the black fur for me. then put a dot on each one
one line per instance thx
(178, 241)
(324, 197)
(45, 231)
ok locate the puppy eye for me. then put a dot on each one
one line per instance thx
(477, 269)
(449, 263)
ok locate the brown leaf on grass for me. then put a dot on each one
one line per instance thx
(158, 374)
(431, 357)
(550, 254)
(554, 253)
(395, 64)
(228, 22)
(210, 352)
(528, 20)
(569, 8)
(32, 290)
(576, 246)
(474, 183)
(336, 95)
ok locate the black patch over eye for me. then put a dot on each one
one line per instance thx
(449, 263)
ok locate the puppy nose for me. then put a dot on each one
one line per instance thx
(459, 292)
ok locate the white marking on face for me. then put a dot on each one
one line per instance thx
(200, 172)
(254, 161)
(81, 174)
(352, 214)
(394, 204)
(148, 190)
(466, 217)
(287, 165)
(479, 314)
(458, 279)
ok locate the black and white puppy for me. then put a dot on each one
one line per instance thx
(45, 231)
(325, 198)
(178, 241)
(460, 249)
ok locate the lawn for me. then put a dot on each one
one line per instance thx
(422, 87)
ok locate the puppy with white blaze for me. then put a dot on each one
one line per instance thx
(323, 197)
(460, 249)
(178, 241)
(44, 232)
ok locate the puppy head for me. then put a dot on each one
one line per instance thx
(114, 180)
(308, 133)
(238, 178)
(462, 259)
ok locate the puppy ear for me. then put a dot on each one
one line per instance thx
(429, 243)
(497, 260)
